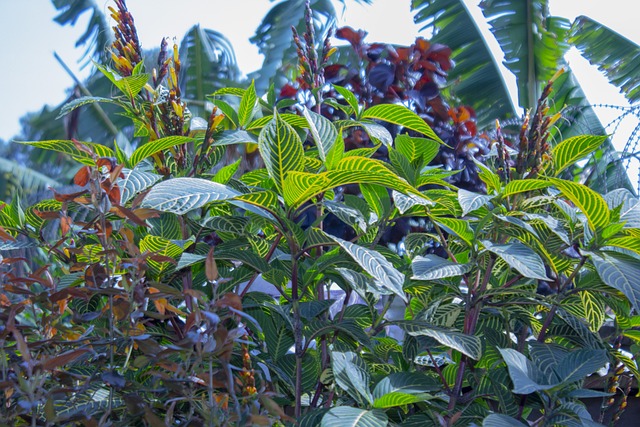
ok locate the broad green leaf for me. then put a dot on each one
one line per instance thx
(350, 98)
(524, 375)
(401, 115)
(378, 198)
(300, 187)
(465, 344)
(68, 147)
(153, 147)
(519, 257)
(226, 172)
(620, 272)
(590, 203)
(569, 151)
(264, 199)
(187, 260)
(490, 178)
(281, 150)
(406, 382)
(417, 149)
(228, 111)
(181, 195)
(397, 398)
(348, 215)
(336, 153)
(247, 104)
(404, 202)
(403, 166)
(292, 119)
(351, 374)
(432, 267)
(501, 420)
(524, 185)
(323, 132)
(470, 201)
(546, 357)
(79, 102)
(631, 243)
(346, 416)
(384, 273)
(377, 133)
(135, 182)
(579, 364)
(232, 137)
(459, 227)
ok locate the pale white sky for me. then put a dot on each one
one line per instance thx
(31, 77)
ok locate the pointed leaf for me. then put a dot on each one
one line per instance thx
(432, 267)
(181, 195)
(323, 132)
(569, 151)
(135, 182)
(620, 272)
(470, 201)
(351, 374)
(384, 273)
(346, 416)
(247, 104)
(466, 344)
(416, 149)
(68, 147)
(281, 150)
(590, 203)
(519, 257)
(523, 374)
(401, 115)
(579, 364)
(153, 147)
(524, 185)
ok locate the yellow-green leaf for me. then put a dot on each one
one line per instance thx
(153, 147)
(68, 147)
(401, 115)
(524, 185)
(567, 152)
(281, 149)
(592, 205)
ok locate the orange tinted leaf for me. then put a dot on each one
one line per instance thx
(211, 269)
(63, 359)
(6, 236)
(65, 224)
(81, 177)
(121, 309)
(230, 300)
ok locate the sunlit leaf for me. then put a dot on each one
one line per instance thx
(181, 195)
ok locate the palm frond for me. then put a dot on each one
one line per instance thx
(533, 42)
(477, 79)
(15, 177)
(98, 34)
(616, 56)
(208, 63)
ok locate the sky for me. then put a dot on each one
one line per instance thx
(31, 77)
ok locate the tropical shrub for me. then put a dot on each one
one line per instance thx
(168, 288)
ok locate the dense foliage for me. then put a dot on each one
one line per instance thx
(199, 279)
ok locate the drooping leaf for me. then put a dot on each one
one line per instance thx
(524, 375)
(616, 56)
(405, 382)
(569, 151)
(323, 132)
(466, 344)
(351, 374)
(432, 267)
(579, 364)
(156, 146)
(135, 182)
(620, 272)
(181, 195)
(384, 273)
(68, 147)
(520, 257)
(346, 416)
(470, 201)
(401, 115)
(501, 420)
